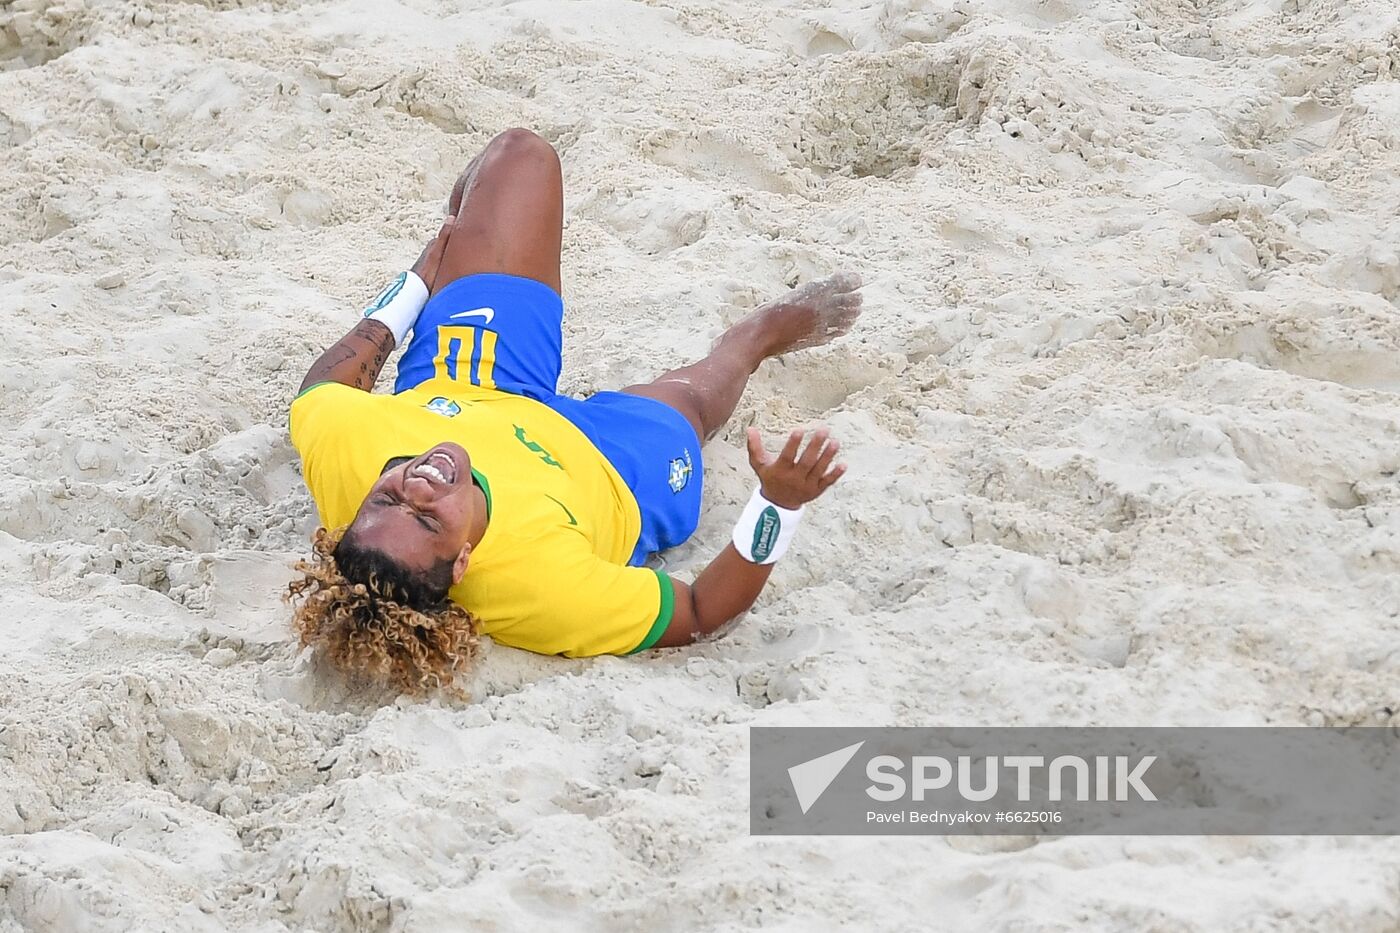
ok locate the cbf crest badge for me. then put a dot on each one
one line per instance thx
(444, 406)
(680, 472)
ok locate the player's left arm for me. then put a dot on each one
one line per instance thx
(728, 587)
(357, 358)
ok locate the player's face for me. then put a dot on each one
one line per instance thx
(421, 510)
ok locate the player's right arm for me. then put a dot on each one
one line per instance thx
(730, 584)
(356, 359)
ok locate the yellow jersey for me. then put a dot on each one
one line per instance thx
(550, 573)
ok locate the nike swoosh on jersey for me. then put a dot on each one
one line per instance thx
(572, 520)
(487, 313)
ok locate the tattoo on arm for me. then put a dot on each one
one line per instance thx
(355, 360)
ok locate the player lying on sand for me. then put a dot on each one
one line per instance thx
(477, 500)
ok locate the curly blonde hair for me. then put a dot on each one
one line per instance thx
(373, 619)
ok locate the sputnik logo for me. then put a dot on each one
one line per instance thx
(810, 779)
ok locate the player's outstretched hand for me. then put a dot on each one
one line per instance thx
(792, 479)
(426, 268)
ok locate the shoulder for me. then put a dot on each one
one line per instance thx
(328, 403)
(326, 393)
(327, 417)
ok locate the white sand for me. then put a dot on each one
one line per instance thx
(1122, 421)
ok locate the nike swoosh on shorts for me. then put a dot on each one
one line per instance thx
(487, 313)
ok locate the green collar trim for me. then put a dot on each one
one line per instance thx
(485, 489)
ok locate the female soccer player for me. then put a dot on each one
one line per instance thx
(475, 499)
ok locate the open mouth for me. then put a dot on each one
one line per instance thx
(437, 467)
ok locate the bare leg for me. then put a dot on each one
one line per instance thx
(510, 213)
(509, 204)
(706, 392)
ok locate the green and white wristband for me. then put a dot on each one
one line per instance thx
(765, 530)
(398, 305)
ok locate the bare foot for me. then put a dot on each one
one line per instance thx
(810, 315)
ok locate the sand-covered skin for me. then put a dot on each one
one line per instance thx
(1121, 417)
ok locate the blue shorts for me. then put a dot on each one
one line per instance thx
(514, 329)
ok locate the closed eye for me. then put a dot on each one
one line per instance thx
(429, 524)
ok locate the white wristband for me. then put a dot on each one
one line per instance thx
(765, 530)
(397, 306)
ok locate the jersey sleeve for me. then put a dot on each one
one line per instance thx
(584, 606)
(323, 419)
(315, 413)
